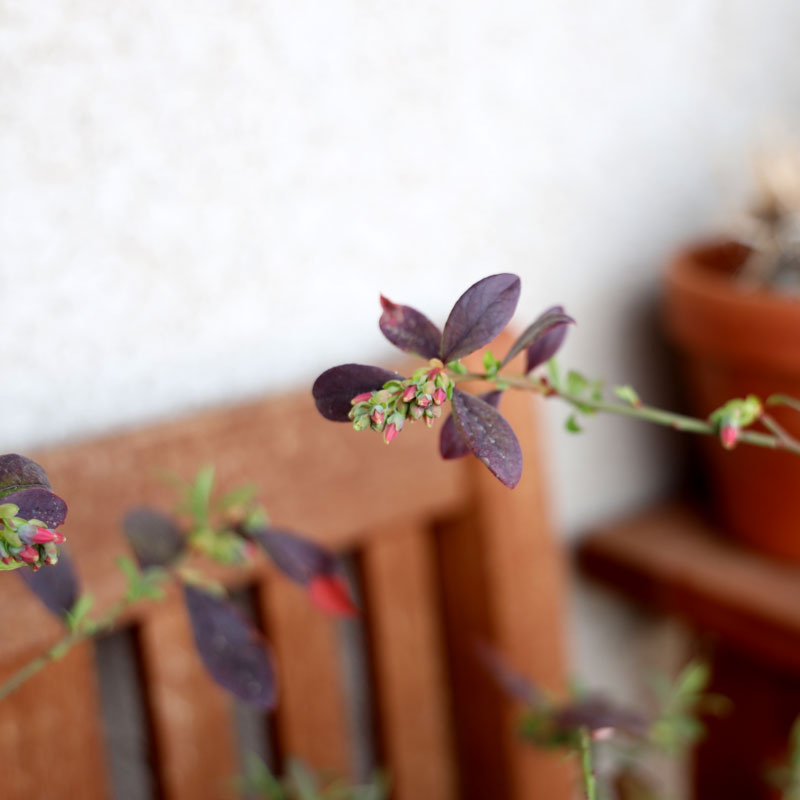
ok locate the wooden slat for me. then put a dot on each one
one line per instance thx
(51, 738)
(503, 577)
(476, 702)
(303, 463)
(323, 479)
(400, 583)
(526, 590)
(734, 758)
(671, 559)
(192, 716)
(311, 716)
(280, 444)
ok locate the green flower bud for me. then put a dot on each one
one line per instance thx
(361, 422)
(415, 412)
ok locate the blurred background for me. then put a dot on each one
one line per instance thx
(201, 202)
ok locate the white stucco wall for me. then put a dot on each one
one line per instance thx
(200, 201)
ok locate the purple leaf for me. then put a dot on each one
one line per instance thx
(155, 539)
(595, 712)
(337, 386)
(20, 472)
(488, 436)
(550, 323)
(451, 443)
(234, 653)
(515, 685)
(549, 343)
(479, 315)
(408, 329)
(300, 559)
(56, 586)
(40, 504)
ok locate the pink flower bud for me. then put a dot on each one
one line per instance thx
(43, 535)
(409, 394)
(378, 415)
(729, 436)
(424, 400)
(28, 554)
(361, 398)
(439, 396)
(390, 433)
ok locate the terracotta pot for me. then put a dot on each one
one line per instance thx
(736, 343)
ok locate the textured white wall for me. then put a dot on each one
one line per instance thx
(200, 201)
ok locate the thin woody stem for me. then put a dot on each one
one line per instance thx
(658, 416)
(587, 767)
(64, 645)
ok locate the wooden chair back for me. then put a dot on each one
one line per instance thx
(442, 555)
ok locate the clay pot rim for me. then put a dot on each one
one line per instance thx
(707, 313)
(699, 269)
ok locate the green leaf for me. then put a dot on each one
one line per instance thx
(572, 425)
(576, 383)
(783, 400)
(457, 367)
(200, 495)
(259, 780)
(628, 395)
(693, 679)
(554, 373)
(141, 584)
(304, 780)
(490, 364)
(130, 570)
(75, 617)
(241, 496)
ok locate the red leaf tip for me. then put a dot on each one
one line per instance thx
(330, 594)
(387, 304)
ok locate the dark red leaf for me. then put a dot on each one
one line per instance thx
(297, 557)
(595, 712)
(408, 329)
(155, 539)
(451, 443)
(515, 685)
(544, 335)
(337, 386)
(547, 345)
(56, 585)
(488, 436)
(38, 504)
(234, 653)
(330, 594)
(479, 315)
(20, 472)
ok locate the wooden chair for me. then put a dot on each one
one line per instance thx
(442, 554)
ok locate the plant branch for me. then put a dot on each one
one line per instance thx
(88, 630)
(658, 416)
(587, 767)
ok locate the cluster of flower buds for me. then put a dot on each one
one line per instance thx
(419, 397)
(733, 416)
(26, 542)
